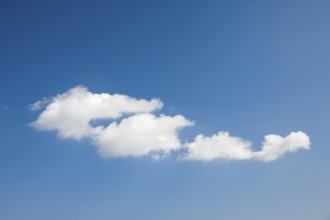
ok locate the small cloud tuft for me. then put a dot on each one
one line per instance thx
(39, 104)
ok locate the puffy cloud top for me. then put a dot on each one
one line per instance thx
(134, 130)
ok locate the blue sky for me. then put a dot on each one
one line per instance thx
(250, 68)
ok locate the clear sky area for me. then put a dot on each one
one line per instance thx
(164, 110)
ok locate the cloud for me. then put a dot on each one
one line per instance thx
(218, 146)
(39, 104)
(140, 135)
(224, 146)
(135, 130)
(70, 113)
(276, 146)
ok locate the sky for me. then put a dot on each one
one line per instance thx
(164, 110)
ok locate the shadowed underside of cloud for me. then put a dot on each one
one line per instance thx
(135, 130)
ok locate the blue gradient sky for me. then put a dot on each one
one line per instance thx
(247, 67)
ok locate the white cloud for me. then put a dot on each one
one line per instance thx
(70, 113)
(220, 145)
(140, 135)
(136, 131)
(224, 146)
(276, 146)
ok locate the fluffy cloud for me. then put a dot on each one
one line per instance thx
(220, 145)
(135, 130)
(224, 146)
(70, 113)
(140, 135)
(275, 146)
